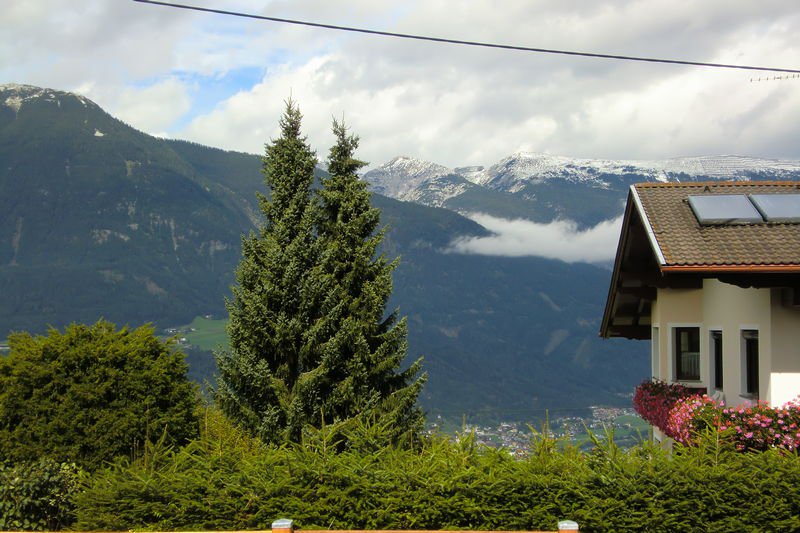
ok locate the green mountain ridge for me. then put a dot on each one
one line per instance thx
(100, 220)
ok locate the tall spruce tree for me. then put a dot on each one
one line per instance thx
(362, 349)
(271, 312)
(310, 344)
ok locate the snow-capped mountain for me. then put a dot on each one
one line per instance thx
(414, 180)
(15, 96)
(98, 219)
(543, 187)
(530, 167)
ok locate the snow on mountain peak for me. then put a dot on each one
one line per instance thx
(415, 167)
(515, 170)
(402, 175)
(475, 174)
(15, 95)
(525, 167)
(410, 179)
(414, 180)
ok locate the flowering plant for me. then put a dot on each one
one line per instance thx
(755, 427)
(654, 400)
(690, 415)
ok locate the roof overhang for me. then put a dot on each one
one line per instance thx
(633, 195)
(640, 269)
(739, 269)
(635, 276)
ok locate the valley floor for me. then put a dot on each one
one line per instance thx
(627, 427)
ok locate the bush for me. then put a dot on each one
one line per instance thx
(38, 496)
(225, 480)
(91, 394)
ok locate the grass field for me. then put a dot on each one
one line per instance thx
(629, 430)
(206, 333)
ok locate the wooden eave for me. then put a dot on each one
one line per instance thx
(633, 280)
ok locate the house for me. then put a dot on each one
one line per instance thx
(710, 273)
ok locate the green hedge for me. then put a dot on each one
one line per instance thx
(224, 480)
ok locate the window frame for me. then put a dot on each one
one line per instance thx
(750, 360)
(716, 358)
(655, 351)
(677, 353)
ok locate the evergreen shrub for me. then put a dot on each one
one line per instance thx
(92, 393)
(228, 480)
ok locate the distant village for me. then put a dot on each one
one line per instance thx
(627, 427)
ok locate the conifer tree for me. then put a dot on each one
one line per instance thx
(310, 344)
(361, 349)
(270, 313)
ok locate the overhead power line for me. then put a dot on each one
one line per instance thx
(775, 78)
(465, 43)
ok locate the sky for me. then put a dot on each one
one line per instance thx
(223, 81)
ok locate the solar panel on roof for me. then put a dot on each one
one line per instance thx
(724, 209)
(778, 207)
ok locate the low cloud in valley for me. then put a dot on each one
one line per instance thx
(560, 239)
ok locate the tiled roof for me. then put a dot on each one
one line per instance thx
(685, 244)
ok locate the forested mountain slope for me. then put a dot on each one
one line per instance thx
(100, 220)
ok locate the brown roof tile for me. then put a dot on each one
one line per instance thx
(685, 243)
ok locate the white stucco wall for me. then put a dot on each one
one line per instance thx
(732, 310)
(785, 371)
(674, 308)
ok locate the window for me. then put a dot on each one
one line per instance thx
(687, 354)
(716, 359)
(750, 362)
(655, 361)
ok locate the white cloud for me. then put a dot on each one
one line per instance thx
(153, 108)
(459, 106)
(560, 239)
(451, 104)
(64, 44)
